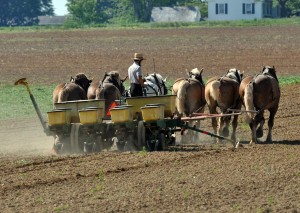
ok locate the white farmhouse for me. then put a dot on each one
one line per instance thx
(240, 9)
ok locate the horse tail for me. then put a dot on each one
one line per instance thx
(214, 90)
(181, 97)
(248, 99)
(62, 95)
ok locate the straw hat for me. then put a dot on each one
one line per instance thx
(138, 56)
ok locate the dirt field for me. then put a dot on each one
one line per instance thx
(257, 178)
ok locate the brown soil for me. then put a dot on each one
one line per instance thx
(258, 178)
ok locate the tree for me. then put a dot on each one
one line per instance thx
(288, 6)
(294, 7)
(85, 11)
(142, 9)
(111, 11)
(283, 9)
(23, 12)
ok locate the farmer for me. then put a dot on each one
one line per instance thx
(135, 76)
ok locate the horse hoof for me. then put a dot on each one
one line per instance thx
(225, 132)
(268, 140)
(259, 133)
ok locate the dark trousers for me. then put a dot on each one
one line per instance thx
(136, 90)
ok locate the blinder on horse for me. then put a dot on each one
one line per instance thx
(154, 85)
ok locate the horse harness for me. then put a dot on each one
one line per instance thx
(238, 80)
(273, 97)
(110, 80)
(159, 85)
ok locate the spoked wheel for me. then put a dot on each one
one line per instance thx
(161, 142)
(141, 136)
(98, 145)
(129, 145)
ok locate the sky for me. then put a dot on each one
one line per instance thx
(60, 8)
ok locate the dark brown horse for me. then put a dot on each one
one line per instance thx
(260, 93)
(223, 93)
(190, 95)
(110, 88)
(76, 89)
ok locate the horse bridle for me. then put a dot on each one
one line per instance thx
(159, 84)
(272, 73)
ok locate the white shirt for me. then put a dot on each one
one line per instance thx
(134, 71)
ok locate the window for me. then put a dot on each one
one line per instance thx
(267, 9)
(249, 8)
(221, 8)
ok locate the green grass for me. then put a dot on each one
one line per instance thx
(15, 101)
(153, 25)
(289, 80)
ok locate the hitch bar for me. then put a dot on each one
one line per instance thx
(234, 143)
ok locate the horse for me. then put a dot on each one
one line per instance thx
(260, 93)
(223, 93)
(154, 85)
(110, 88)
(76, 89)
(190, 95)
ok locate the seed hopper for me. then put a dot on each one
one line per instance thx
(136, 123)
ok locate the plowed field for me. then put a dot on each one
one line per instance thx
(258, 178)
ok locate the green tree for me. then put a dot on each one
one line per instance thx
(283, 9)
(85, 11)
(287, 7)
(23, 12)
(117, 11)
(294, 7)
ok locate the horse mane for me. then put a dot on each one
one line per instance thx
(109, 78)
(80, 76)
(198, 75)
(82, 80)
(267, 70)
(234, 74)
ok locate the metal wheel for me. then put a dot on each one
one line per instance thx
(120, 145)
(161, 142)
(61, 145)
(141, 137)
(129, 145)
(98, 144)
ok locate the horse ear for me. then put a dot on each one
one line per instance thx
(165, 79)
(201, 71)
(72, 79)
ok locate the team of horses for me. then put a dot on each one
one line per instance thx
(223, 95)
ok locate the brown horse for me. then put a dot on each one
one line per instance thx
(76, 89)
(223, 93)
(260, 93)
(190, 95)
(110, 88)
